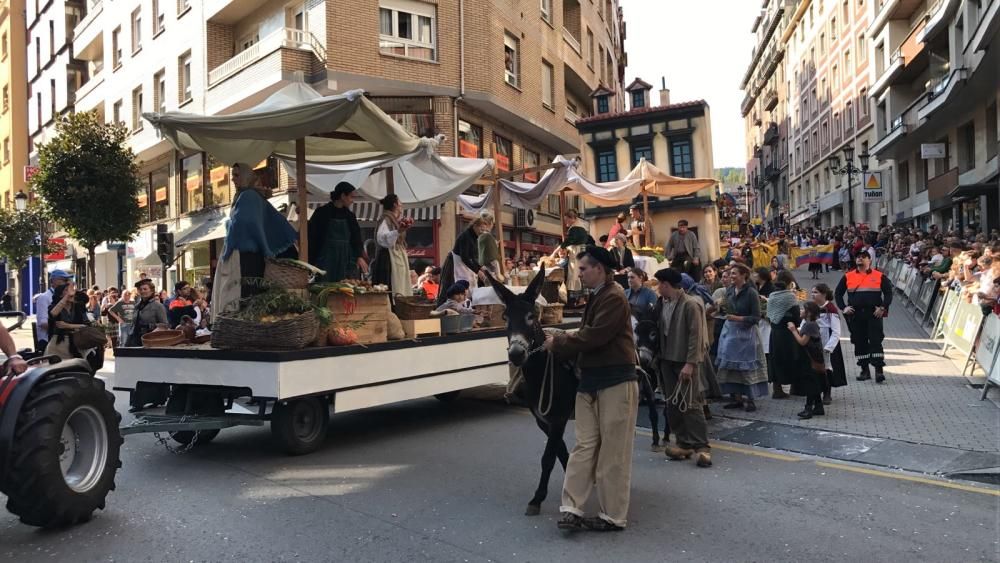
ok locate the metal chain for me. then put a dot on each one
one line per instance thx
(183, 449)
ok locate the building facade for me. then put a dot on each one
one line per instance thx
(506, 82)
(765, 114)
(14, 110)
(936, 80)
(674, 137)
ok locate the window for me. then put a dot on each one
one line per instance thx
(470, 140)
(116, 48)
(137, 109)
(847, 62)
(192, 184)
(247, 41)
(922, 186)
(640, 151)
(6, 98)
(546, 8)
(992, 140)
(607, 166)
(836, 76)
(638, 99)
(183, 6)
(184, 77)
(967, 147)
(548, 85)
(295, 18)
(3, 46)
(38, 107)
(833, 28)
(848, 117)
(863, 101)
(407, 29)
(681, 160)
(904, 180)
(159, 188)
(116, 113)
(602, 61)
(510, 60)
(160, 92)
(52, 39)
(52, 98)
(6, 150)
(602, 104)
(822, 42)
(219, 188)
(590, 49)
(529, 159)
(136, 29)
(158, 17)
(862, 47)
(503, 153)
(847, 12)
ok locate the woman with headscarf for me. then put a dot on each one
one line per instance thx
(623, 259)
(742, 367)
(489, 253)
(618, 228)
(785, 352)
(392, 266)
(462, 262)
(335, 243)
(256, 231)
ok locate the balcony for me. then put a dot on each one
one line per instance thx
(91, 94)
(897, 130)
(939, 17)
(894, 10)
(747, 104)
(941, 185)
(989, 26)
(285, 38)
(942, 91)
(770, 63)
(573, 42)
(890, 73)
(771, 134)
(770, 99)
(772, 173)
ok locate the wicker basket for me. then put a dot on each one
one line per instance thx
(290, 334)
(492, 315)
(163, 338)
(413, 308)
(288, 276)
(552, 314)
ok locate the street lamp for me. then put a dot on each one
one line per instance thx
(21, 204)
(849, 170)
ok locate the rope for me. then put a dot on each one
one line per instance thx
(681, 399)
(551, 378)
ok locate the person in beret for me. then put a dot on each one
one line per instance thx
(606, 402)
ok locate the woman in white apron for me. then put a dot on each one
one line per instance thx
(392, 266)
(462, 262)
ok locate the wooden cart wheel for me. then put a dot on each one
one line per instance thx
(300, 425)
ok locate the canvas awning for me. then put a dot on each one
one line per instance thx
(208, 226)
(656, 182)
(340, 128)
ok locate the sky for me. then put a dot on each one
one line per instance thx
(703, 48)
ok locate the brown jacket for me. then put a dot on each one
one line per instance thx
(605, 335)
(685, 340)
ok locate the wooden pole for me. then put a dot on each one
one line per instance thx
(390, 180)
(497, 219)
(302, 197)
(562, 213)
(647, 225)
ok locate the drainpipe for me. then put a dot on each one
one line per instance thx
(461, 72)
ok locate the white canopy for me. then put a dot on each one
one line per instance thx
(564, 177)
(656, 182)
(420, 178)
(341, 128)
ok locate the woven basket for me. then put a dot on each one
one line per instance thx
(413, 308)
(290, 334)
(492, 315)
(552, 314)
(163, 338)
(286, 275)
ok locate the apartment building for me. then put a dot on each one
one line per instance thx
(829, 62)
(13, 105)
(935, 89)
(52, 74)
(765, 114)
(504, 82)
(674, 137)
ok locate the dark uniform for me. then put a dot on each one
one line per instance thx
(866, 290)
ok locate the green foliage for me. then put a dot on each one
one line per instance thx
(731, 176)
(88, 179)
(19, 234)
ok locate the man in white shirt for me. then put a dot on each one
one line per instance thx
(43, 301)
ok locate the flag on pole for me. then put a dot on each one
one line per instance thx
(822, 254)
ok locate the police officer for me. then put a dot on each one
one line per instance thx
(869, 294)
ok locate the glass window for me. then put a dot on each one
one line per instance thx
(159, 193)
(681, 159)
(407, 29)
(503, 153)
(602, 104)
(116, 48)
(419, 124)
(546, 6)
(192, 183)
(184, 72)
(219, 185)
(638, 99)
(529, 159)
(548, 85)
(136, 29)
(904, 180)
(511, 62)
(641, 151)
(607, 165)
(137, 109)
(160, 92)
(157, 17)
(470, 140)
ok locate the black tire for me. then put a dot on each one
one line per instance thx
(184, 437)
(447, 397)
(300, 425)
(39, 490)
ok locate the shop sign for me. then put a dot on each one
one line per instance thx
(143, 200)
(467, 149)
(871, 188)
(29, 173)
(161, 194)
(218, 174)
(503, 162)
(193, 183)
(932, 150)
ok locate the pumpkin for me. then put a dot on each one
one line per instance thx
(341, 337)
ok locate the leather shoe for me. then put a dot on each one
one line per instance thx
(704, 459)
(879, 376)
(675, 453)
(571, 522)
(806, 414)
(598, 524)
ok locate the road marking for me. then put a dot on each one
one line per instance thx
(924, 480)
(725, 448)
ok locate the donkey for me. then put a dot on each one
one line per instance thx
(548, 386)
(647, 344)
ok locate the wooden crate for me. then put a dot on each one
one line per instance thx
(367, 306)
(369, 332)
(415, 328)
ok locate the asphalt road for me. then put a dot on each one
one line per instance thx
(423, 481)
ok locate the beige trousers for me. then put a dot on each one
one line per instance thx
(602, 456)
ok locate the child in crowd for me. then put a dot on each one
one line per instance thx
(809, 380)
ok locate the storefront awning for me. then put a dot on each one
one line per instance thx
(372, 211)
(209, 226)
(969, 191)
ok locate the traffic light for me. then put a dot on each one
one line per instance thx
(164, 245)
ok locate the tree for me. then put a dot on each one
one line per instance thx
(19, 238)
(88, 179)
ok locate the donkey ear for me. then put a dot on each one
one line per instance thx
(501, 290)
(535, 287)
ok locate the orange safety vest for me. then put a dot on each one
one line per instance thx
(858, 281)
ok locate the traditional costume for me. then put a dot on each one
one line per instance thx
(392, 265)
(335, 238)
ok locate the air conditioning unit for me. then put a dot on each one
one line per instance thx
(524, 218)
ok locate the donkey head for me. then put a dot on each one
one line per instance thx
(524, 332)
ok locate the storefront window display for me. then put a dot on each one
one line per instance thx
(529, 160)
(198, 264)
(503, 153)
(219, 185)
(470, 140)
(192, 183)
(159, 193)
